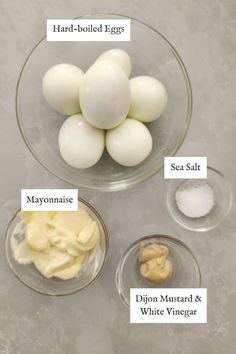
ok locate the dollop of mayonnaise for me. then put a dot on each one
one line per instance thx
(57, 243)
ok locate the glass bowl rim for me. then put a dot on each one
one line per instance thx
(172, 239)
(7, 235)
(131, 182)
(220, 220)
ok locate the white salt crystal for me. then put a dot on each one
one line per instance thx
(195, 198)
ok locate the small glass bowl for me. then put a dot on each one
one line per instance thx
(151, 54)
(186, 272)
(223, 202)
(33, 279)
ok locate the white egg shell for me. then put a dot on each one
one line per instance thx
(148, 98)
(61, 84)
(119, 57)
(81, 145)
(130, 143)
(105, 95)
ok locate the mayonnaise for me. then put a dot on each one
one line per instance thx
(58, 243)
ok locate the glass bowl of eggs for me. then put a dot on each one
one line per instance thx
(103, 115)
(157, 261)
(57, 253)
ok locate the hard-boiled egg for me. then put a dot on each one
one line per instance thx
(81, 145)
(130, 143)
(61, 84)
(105, 95)
(119, 57)
(148, 98)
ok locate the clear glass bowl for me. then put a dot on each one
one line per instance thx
(186, 272)
(223, 203)
(152, 55)
(33, 279)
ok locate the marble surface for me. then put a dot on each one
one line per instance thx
(95, 321)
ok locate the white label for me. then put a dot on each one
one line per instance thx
(185, 167)
(49, 199)
(88, 30)
(182, 305)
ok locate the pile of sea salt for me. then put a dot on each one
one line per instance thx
(195, 198)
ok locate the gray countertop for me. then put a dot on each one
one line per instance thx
(95, 321)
